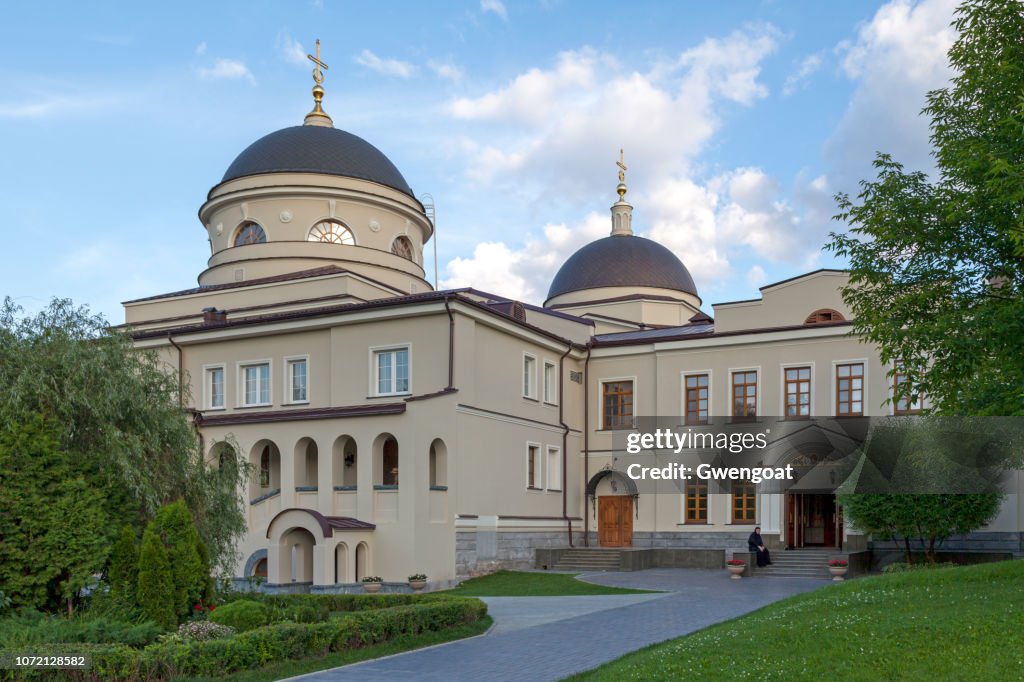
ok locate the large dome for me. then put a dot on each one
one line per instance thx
(317, 149)
(622, 261)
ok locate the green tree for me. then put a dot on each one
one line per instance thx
(936, 270)
(123, 571)
(155, 591)
(53, 535)
(117, 418)
(173, 525)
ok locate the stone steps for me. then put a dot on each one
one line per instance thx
(589, 560)
(800, 563)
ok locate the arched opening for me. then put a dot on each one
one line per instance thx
(362, 561)
(438, 464)
(386, 456)
(297, 556)
(249, 232)
(260, 569)
(346, 463)
(223, 456)
(306, 463)
(266, 461)
(402, 247)
(824, 315)
(340, 563)
(332, 232)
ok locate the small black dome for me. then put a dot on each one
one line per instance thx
(317, 149)
(620, 261)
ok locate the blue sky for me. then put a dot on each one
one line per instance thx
(740, 121)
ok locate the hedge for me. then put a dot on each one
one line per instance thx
(255, 648)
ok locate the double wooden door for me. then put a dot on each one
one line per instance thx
(615, 521)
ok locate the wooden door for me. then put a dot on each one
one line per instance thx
(830, 520)
(615, 521)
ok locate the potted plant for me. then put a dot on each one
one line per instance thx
(372, 583)
(417, 581)
(838, 568)
(736, 567)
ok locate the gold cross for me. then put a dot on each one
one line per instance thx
(318, 75)
(622, 166)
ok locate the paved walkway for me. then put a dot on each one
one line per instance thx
(548, 638)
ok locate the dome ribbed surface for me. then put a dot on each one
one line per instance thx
(317, 149)
(622, 261)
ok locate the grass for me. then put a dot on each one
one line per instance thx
(529, 584)
(278, 671)
(942, 623)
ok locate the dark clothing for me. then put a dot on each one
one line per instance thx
(756, 544)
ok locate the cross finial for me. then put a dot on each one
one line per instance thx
(621, 163)
(318, 116)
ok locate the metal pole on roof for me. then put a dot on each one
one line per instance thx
(431, 211)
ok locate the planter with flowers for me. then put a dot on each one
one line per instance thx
(736, 568)
(838, 568)
(372, 583)
(417, 581)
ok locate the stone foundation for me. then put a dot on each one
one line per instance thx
(482, 551)
(980, 541)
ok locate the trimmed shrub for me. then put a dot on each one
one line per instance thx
(32, 627)
(174, 524)
(123, 573)
(155, 599)
(243, 615)
(202, 630)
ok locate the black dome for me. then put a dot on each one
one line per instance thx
(622, 261)
(317, 149)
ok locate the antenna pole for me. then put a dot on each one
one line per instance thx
(430, 208)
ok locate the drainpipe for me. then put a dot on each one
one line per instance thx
(586, 445)
(181, 371)
(451, 343)
(565, 443)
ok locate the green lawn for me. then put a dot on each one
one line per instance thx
(278, 671)
(528, 584)
(943, 623)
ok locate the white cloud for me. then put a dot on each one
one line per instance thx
(201, 49)
(43, 105)
(795, 81)
(446, 71)
(756, 276)
(896, 58)
(495, 6)
(291, 49)
(227, 69)
(387, 67)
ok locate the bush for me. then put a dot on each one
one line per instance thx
(175, 526)
(203, 630)
(123, 572)
(32, 627)
(155, 597)
(243, 615)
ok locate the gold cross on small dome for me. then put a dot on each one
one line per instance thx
(318, 117)
(318, 75)
(621, 163)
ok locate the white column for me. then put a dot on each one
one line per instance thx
(771, 512)
(323, 563)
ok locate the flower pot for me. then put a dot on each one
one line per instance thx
(372, 588)
(838, 572)
(417, 585)
(736, 571)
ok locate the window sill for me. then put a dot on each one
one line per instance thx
(296, 402)
(548, 403)
(554, 490)
(531, 399)
(442, 488)
(254, 405)
(265, 496)
(617, 428)
(345, 488)
(386, 488)
(694, 523)
(534, 489)
(306, 488)
(389, 395)
(215, 409)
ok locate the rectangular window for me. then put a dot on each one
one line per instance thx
(215, 387)
(533, 467)
(798, 392)
(554, 468)
(744, 394)
(744, 503)
(850, 390)
(550, 383)
(697, 399)
(392, 371)
(529, 377)
(298, 381)
(618, 405)
(904, 402)
(697, 502)
(256, 386)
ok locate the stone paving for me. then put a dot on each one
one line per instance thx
(548, 638)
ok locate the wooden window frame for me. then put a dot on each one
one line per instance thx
(849, 390)
(606, 423)
(534, 466)
(786, 381)
(745, 415)
(747, 492)
(697, 389)
(910, 410)
(693, 490)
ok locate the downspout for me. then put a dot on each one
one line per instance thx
(181, 371)
(586, 446)
(451, 343)
(565, 443)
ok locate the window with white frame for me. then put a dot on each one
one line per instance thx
(529, 376)
(554, 468)
(298, 380)
(215, 388)
(391, 371)
(550, 382)
(533, 466)
(256, 384)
